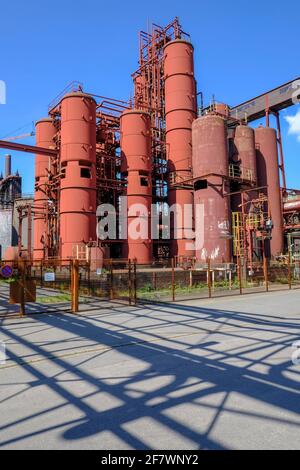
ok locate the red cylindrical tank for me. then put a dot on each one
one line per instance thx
(78, 168)
(136, 165)
(244, 142)
(268, 174)
(45, 132)
(210, 160)
(181, 110)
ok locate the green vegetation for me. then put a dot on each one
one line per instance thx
(53, 299)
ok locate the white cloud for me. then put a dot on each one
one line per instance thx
(294, 124)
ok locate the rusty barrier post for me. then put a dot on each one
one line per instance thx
(111, 280)
(75, 286)
(209, 278)
(22, 282)
(240, 275)
(71, 266)
(41, 274)
(289, 270)
(71, 275)
(135, 282)
(89, 278)
(265, 266)
(129, 282)
(173, 280)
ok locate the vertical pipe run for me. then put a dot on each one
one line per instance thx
(45, 132)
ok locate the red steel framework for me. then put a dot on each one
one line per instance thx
(149, 95)
(164, 89)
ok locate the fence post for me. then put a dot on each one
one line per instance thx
(265, 265)
(209, 277)
(173, 280)
(289, 269)
(240, 275)
(134, 282)
(129, 282)
(230, 279)
(22, 268)
(191, 278)
(75, 286)
(71, 275)
(111, 286)
(89, 278)
(41, 274)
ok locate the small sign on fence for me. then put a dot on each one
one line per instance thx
(6, 271)
(49, 277)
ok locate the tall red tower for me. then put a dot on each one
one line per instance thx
(180, 110)
(136, 166)
(45, 132)
(78, 172)
(268, 175)
(211, 163)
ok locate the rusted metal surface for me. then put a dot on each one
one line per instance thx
(268, 175)
(210, 157)
(180, 109)
(136, 166)
(290, 206)
(279, 98)
(78, 167)
(45, 132)
(244, 142)
(27, 148)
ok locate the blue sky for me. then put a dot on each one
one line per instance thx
(241, 49)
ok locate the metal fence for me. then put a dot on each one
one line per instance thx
(62, 285)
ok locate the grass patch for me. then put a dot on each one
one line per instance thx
(53, 299)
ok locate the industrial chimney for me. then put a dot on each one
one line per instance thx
(7, 165)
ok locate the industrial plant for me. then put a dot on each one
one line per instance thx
(164, 148)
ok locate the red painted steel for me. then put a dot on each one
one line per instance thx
(244, 142)
(210, 160)
(45, 132)
(291, 205)
(268, 174)
(180, 110)
(222, 108)
(136, 164)
(78, 168)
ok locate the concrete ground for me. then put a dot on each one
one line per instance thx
(206, 374)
